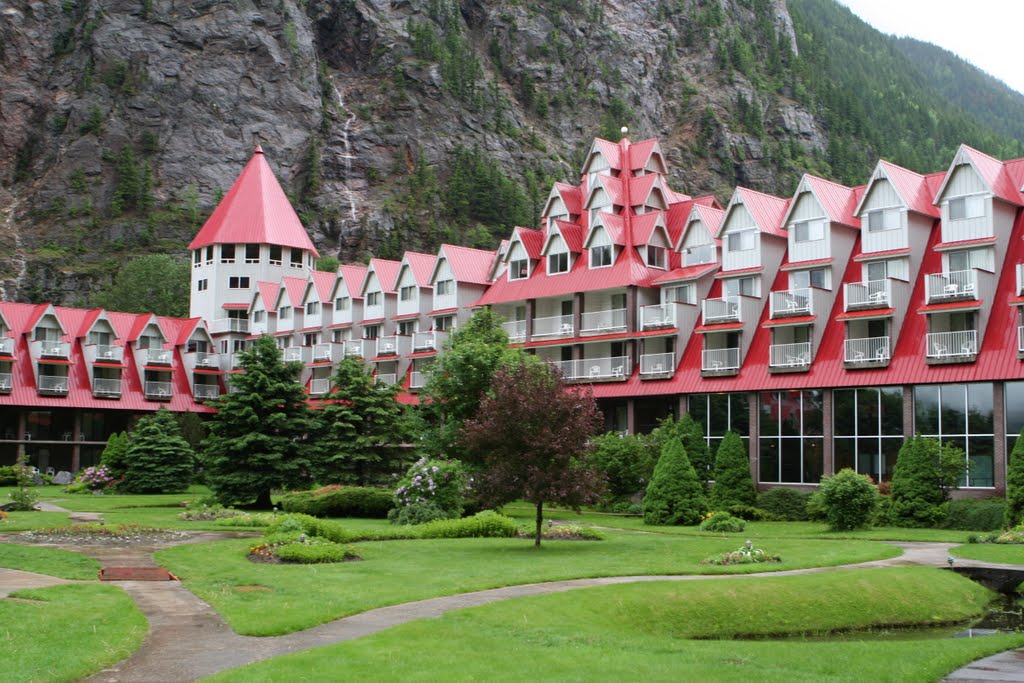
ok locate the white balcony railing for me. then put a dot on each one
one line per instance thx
(553, 326)
(515, 329)
(158, 390)
(713, 360)
(566, 367)
(387, 346)
(952, 344)
(724, 310)
(108, 354)
(658, 316)
(427, 341)
(158, 356)
(657, 363)
(612, 320)
(867, 350)
(323, 353)
(1020, 339)
(6, 346)
(53, 349)
(791, 302)
(615, 367)
(386, 378)
(417, 380)
(355, 348)
(957, 284)
(868, 294)
(53, 384)
(206, 360)
(205, 392)
(224, 325)
(790, 355)
(292, 354)
(106, 386)
(5, 382)
(319, 387)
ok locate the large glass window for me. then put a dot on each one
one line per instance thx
(961, 415)
(720, 413)
(1014, 408)
(792, 448)
(867, 426)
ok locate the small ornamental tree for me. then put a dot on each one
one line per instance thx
(257, 440)
(849, 500)
(675, 494)
(362, 428)
(24, 497)
(1015, 484)
(159, 459)
(924, 474)
(431, 489)
(734, 484)
(626, 462)
(531, 436)
(115, 455)
(691, 434)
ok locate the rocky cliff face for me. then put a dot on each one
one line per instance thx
(121, 123)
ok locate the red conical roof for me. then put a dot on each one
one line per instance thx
(254, 211)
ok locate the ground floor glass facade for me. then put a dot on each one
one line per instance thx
(961, 415)
(867, 429)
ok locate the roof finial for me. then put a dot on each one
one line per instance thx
(259, 149)
(624, 130)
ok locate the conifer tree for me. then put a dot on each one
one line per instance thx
(691, 434)
(734, 484)
(675, 494)
(158, 460)
(1015, 484)
(925, 471)
(115, 455)
(258, 440)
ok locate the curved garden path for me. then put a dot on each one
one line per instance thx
(188, 640)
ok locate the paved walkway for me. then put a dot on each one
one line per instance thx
(188, 640)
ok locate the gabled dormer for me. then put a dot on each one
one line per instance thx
(348, 301)
(603, 159)
(977, 198)
(562, 247)
(288, 304)
(523, 253)
(605, 240)
(646, 157)
(564, 203)
(149, 342)
(605, 195)
(48, 337)
(316, 300)
(751, 232)
(698, 245)
(262, 311)
(378, 290)
(99, 340)
(6, 339)
(648, 193)
(460, 276)
(820, 222)
(652, 241)
(413, 285)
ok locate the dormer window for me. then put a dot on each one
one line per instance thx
(444, 287)
(296, 261)
(252, 253)
(342, 303)
(737, 286)
(257, 316)
(284, 313)
(558, 263)
(275, 255)
(815, 277)
(704, 253)
(882, 220)
(809, 231)
(197, 258)
(312, 307)
(601, 256)
(740, 241)
(209, 255)
(227, 253)
(373, 298)
(962, 208)
(656, 256)
(407, 293)
(519, 269)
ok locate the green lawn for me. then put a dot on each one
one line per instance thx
(647, 632)
(991, 552)
(67, 632)
(393, 572)
(23, 521)
(51, 561)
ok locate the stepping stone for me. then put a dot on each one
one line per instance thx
(85, 517)
(136, 574)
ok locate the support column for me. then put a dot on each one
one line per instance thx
(531, 311)
(828, 464)
(76, 443)
(631, 308)
(630, 416)
(577, 313)
(755, 430)
(684, 405)
(908, 412)
(999, 459)
(22, 431)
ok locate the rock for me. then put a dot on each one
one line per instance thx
(37, 480)
(63, 478)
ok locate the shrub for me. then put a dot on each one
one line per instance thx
(975, 515)
(441, 482)
(788, 505)
(159, 459)
(626, 462)
(1015, 484)
(733, 483)
(262, 519)
(486, 524)
(96, 478)
(115, 455)
(722, 522)
(691, 434)
(24, 497)
(925, 471)
(312, 552)
(205, 513)
(750, 513)
(849, 499)
(417, 513)
(7, 476)
(568, 532)
(340, 501)
(675, 494)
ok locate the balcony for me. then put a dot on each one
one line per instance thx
(53, 385)
(417, 380)
(205, 392)
(320, 387)
(51, 349)
(204, 359)
(325, 353)
(867, 351)
(226, 325)
(293, 354)
(5, 382)
(615, 368)
(958, 345)
(387, 346)
(953, 286)
(515, 329)
(553, 326)
(158, 391)
(236, 361)
(603, 322)
(158, 356)
(106, 387)
(658, 316)
(428, 341)
(790, 355)
(724, 310)
(657, 364)
(720, 360)
(791, 302)
(386, 378)
(6, 346)
(356, 348)
(868, 294)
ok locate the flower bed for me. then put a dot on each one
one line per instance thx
(748, 554)
(565, 532)
(101, 534)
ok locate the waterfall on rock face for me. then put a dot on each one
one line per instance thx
(346, 143)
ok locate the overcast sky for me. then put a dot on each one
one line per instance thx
(984, 32)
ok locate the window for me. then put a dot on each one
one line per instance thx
(407, 293)
(197, 258)
(209, 255)
(236, 282)
(227, 253)
(681, 293)
(718, 414)
(882, 220)
(340, 336)
(867, 425)
(275, 255)
(969, 259)
(371, 331)
(284, 313)
(558, 263)
(519, 269)
(601, 256)
(258, 316)
(876, 270)
(406, 327)
(312, 307)
(296, 261)
(1014, 406)
(800, 279)
(196, 346)
(444, 287)
(961, 415)
(740, 241)
(444, 323)
(238, 345)
(961, 208)
(311, 339)
(202, 285)
(373, 298)
(791, 442)
(656, 256)
(252, 253)
(342, 303)
(737, 286)
(704, 253)
(809, 231)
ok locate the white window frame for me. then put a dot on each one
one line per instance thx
(970, 206)
(657, 257)
(312, 307)
(238, 282)
(597, 257)
(741, 240)
(519, 269)
(444, 287)
(558, 263)
(888, 220)
(406, 293)
(806, 228)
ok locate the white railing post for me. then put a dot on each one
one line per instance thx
(952, 344)
(867, 350)
(720, 359)
(790, 355)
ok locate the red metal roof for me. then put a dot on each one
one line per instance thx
(838, 201)
(868, 314)
(767, 211)
(267, 291)
(293, 288)
(912, 187)
(951, 306)
(992, 172)
(945, 246)
(572, 234)
(386, 272)
(472, 266)
(872, 255)
(421, 265)
(738, 272)
(254, 211)
(687, 273)
(790, 322)
(232, 307)
(352, 277)
(323, 283)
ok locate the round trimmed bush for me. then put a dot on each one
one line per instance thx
(722, 522)
(848, 499)
(784, 504)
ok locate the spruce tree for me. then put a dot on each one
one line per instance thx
(675, 494)
(925, 471)
(115, 455)
(1015, 484)
(258, 439)
(691, 434)
(158, 460)
(734, 484)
